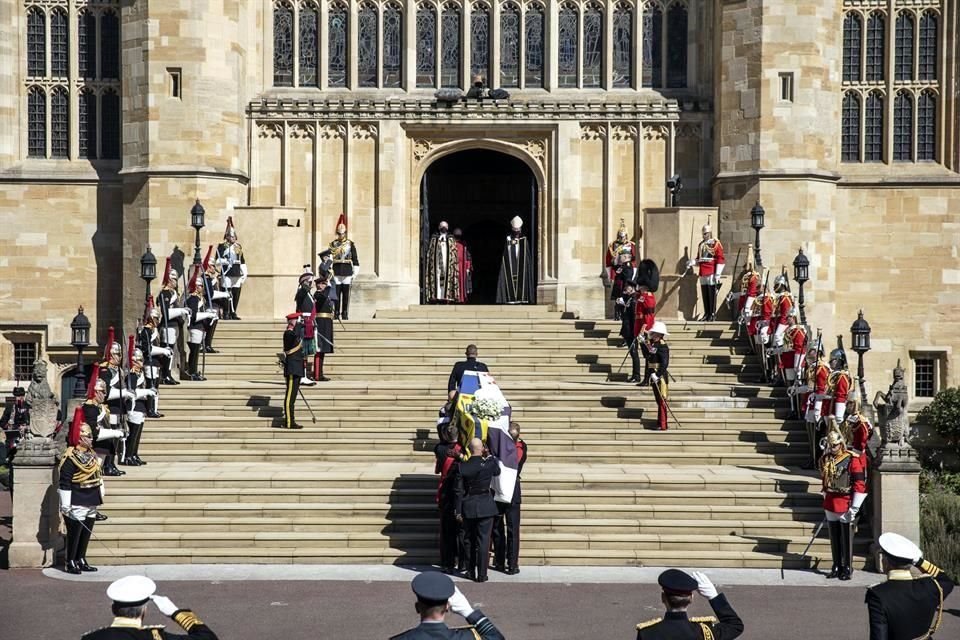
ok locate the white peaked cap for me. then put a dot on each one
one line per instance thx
(894, 544)
(131, 590)
(516, 223)
(659, 327)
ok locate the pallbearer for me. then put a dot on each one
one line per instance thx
(233, 266)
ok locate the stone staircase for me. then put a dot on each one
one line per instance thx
(601, 487)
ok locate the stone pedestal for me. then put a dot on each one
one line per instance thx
(35, 506)
(895, 491)
(275, 252)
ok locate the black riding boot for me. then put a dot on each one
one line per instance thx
(339, 301)
(705, 297)
(71, 544)
(130, 459)
(835, 542)
(208, 340)
(344, 302)
(846, 551)
(86, 530)
(193, 363)
(235, 293)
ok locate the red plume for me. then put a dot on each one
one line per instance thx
(130, 350)
(193, 280)
(342, 220)
(73, 435)
(166, 274)
(148, 309)
(92, 386)
(206, 259)
(229, 227)
(110, 341)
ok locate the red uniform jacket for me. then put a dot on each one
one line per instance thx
(613, 250)
(862, 429)
(646, 308)
(750, 287)
(784, 305)
(762, 310)
(711, 250)
(794, 342)
(856, 467)
(839, 385)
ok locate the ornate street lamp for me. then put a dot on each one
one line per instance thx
(860, 333)
(148, 268)
(801, 273)
(80, 338)
(756, 221)
(196, 221)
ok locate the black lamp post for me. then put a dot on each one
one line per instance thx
(860, 332)
(756, 221)
(801, 273)
(148, 268)
(80, 328)
(196, 221)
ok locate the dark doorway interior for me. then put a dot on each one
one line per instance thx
(479, 191)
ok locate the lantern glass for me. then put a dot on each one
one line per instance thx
(801, 268)
(148, 265)
(196, 216)
(756, 216)
(80, 330)
(860, 332)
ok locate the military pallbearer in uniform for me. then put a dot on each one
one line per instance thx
(436, 594)
(346, 265)
(678, 587)
(844, 475)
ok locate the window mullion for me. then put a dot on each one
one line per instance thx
(295, 38)
(914, 117)
(915, 71)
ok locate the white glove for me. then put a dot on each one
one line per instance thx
(620, 302)
(459, 603)
(850, 515)
(146, 393)
(65, 497)
(654, 377)
(704, 586)
(356, 270)
(165, 605)
(791, 391)
(128, 394)
(691, 264)
(720, 270)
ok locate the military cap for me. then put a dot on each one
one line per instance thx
(19, 392)
(677, 582)
(293, 316)
(433, 587)
(898, 547)
(131, 590)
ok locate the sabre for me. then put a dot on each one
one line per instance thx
(313, 416)
(629, 349)
(659, 397)
(90, 531)
(816, 532)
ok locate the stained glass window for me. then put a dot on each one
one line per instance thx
(426, 46)
(622, 46)
(652, 65)
(109, 45)
(367, 46)
(928, 46)
(337, 28)
(37, 123)
(852, 41)
(903, 127)
(873, 128)
(392, 45)
(509, 46)
(309, 46)
(36, 43)
(282, 46)
(533, 47)
(875, 47)
(59, 123)
(592, 46)
(927, 126)
(850, 143)
(677, 46)
(480, 42)
(903, 62)
(59, 44)
(110, 108)
(567, 34)
(87, 124)
(87, 44)
(450, 47)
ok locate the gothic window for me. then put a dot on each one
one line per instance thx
(37, 123)
(36, 43)
(450, 47)
(592, 46)
(568, 26)
(59, 44)
(480, 42)
(509, 46)
(903, 127)
(850, 143)
(622, 46)
(426, 45)
(87, 44)
(873, 128)
(875, 47)
(337, 27)
(110, 109)
(367, 45)
(109, 45)
(928, 46)
(309, 46)
(392, 46)
(677, 46)
(927, 126)
(852, 37)
(87, 124)
(533, 47)
(903, 62)
(282, 46)
(59, 123)
(652, 47)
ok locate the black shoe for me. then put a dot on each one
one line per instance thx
(169, 380)
(196, 377)
(498, 566)
(100, 517)
(471, 576)
(112, 471)
(633, 379)
(512, 571)
(154, 414)
(323, 379)
(481, 579)
(336, 316)
(210, 350)
(346, 317)
(82, 564)
(296, 426)
(139, 461)
(71, 567)
(846, 573)
(449, 570)
(129, 462)
(834, 572)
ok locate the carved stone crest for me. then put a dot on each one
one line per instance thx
(44, 405)
(891, 408)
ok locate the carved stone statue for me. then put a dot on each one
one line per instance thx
(44, 406)
(891, 410)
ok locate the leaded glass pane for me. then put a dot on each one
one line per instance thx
(450, 47)
(392, 46)
(509, 46)
(59, 44)
(873, 129)
(903, 63)
(652, 47)
(309, 47)
(850, 143)
(533, 47)
(367, 46)
(677, 46)
(928, 46)
(37, 123)
(87, 44)
(337, 27)
(36, 43)
(480, 42)
(592, 47)
(87, 124)
(903, 127)
(109, 45)
(426, 46)
(622, 47)
(927, 127)
(282, 46)
(59, 123)
(875, 47)
(568, 28)
(852, 41)
(110, 107)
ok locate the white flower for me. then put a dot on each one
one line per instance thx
(485, 408)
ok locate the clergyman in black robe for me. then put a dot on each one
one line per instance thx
(515, 285)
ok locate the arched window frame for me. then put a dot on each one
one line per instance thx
(568, 46)
(36, 122)
(36, 42)
(926, 132)
(109, 41)
(851, 114)
(391, 58)
(903, 126)
(59, 43)
(876, 47)
(623, 45)
(874, 127)
(87, 129)
(427, 60)
(928, 48)
(533, 75)
(509, 44)
(87, 44)
(110, 127)
(676, 40)
(904, 40)
(59, 123)
(593, 26)
(368, 36)
(652, 45)
(853, 32)
(338, 44)
(284, 36)
(481, 42)
(307, 44)
(451, 45)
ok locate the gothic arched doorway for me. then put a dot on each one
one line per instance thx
(479, 191)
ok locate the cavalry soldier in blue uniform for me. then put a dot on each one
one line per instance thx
(436, 594)
(80, 490)
(233, 266)
(678, 587)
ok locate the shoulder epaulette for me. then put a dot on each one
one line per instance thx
(648, 623)
(707, 619)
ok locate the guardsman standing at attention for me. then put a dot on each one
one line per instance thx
(622, 266)
(233, 266)
(171, 312)
(117, 397)
(657, 354)
(709, 262)
(749, 287)
(305, 306)
(292, 368)
(197, 324)
(80, 490)
(844, 474)
(346, 265)
(791, 358)
(784, 306)
(813, 392)
(144, 404)
(860, 428)
(436, 594)
(839, 384)
(627, 312)
(678, 587)
(904, 607)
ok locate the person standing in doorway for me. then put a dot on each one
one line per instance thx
(464, 268)
(515, 284)
(442, 271)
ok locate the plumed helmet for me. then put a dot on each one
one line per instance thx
(230, 233)
(706, 229)
(99, 386)
(751, 263)
(838, 358)
(94, 379)
(835, 436)
(781, 283)
(622, 231)
(78, 427)
(206, 260)
(342, 224)
(137, 356)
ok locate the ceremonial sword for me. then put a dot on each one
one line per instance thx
(816, 532)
